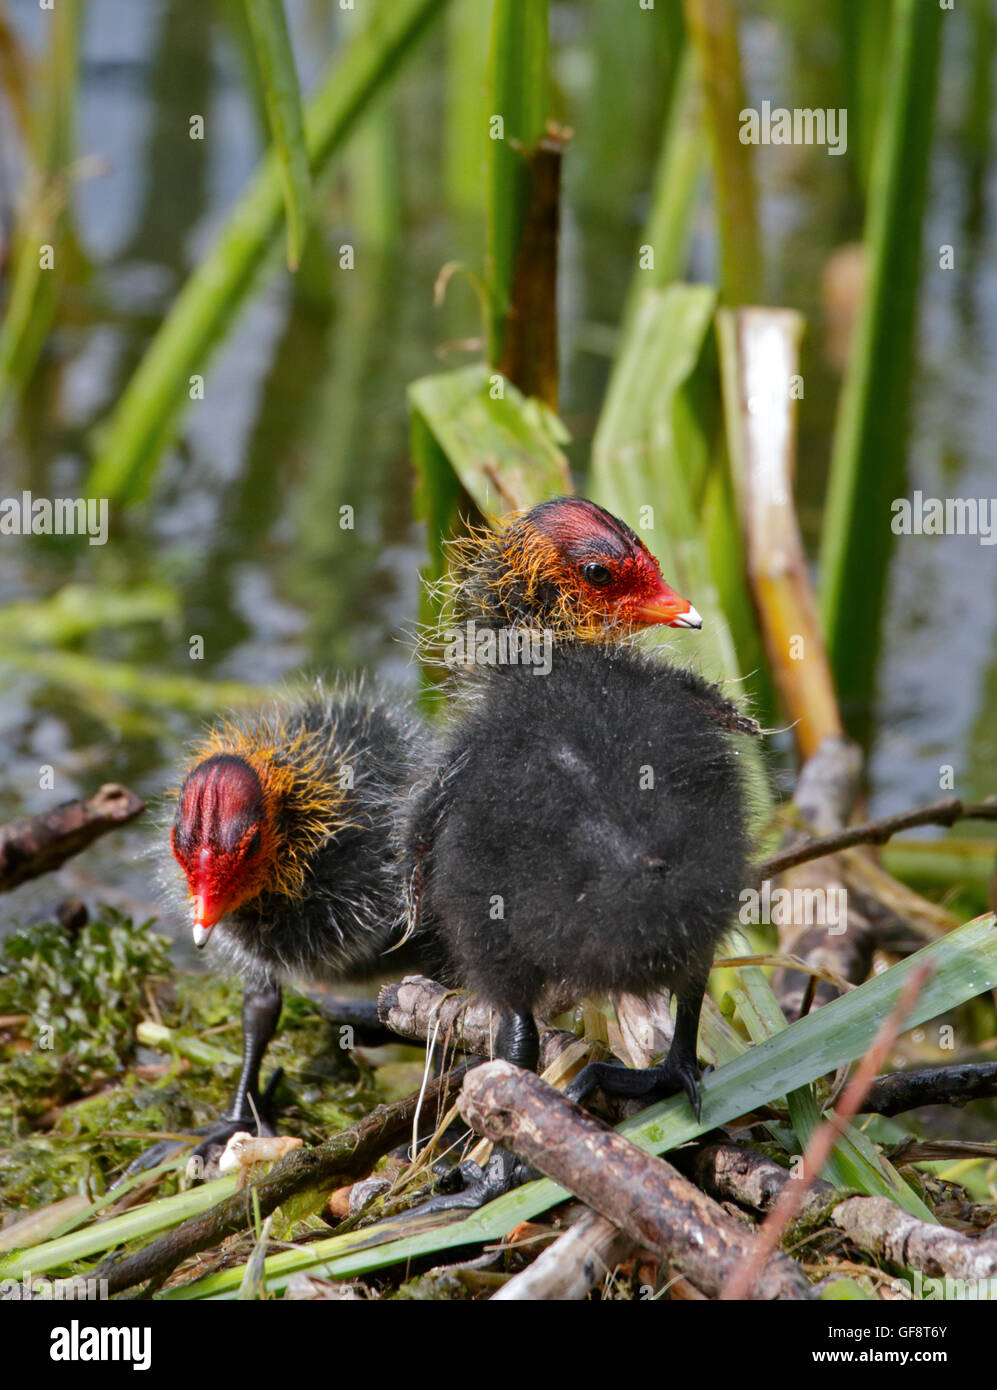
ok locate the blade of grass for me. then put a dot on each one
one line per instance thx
(78, 609)
(35, 285)
(503, 448)
(868, 459)
(651, 450)
(646, 447)
(136, 1224)
(863, 35)
(135, 684)
(148, 412)
(474, 436)
(272, 43)
(965, 964)
(712, 27)
(759, 355)
(466, 134)
(677, 179)
(854, 1162)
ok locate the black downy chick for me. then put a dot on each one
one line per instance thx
(587, 829)
(583, 827)
(288, 831)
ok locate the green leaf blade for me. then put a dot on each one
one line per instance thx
(268, 25)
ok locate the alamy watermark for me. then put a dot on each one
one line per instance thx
(28, 515)
(799, 907)
(35, 1286)
(505, 646)
(945, 516)
(777, 125)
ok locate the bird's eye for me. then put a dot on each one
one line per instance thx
(254, 844)
(596, 574)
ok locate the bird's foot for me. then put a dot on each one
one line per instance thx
(477, 1185)
(213, 1137)
(614, 1079)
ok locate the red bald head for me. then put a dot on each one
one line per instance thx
(602, 572)
(223, 838)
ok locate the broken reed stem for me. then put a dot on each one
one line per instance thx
(822, 1141)
(345, 1157)
(572, 1266)
(945, 811)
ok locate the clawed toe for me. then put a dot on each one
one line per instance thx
(614, 1079)
(477, 1186)
(213, 1139)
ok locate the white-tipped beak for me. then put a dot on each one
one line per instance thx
(690, 619)
(201, 934)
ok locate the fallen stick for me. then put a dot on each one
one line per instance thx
(419, 1008)
(35, 845)
(879, 1225)
(346, 1157)
(955, 1085)
(945, 811)
(642, 1195)
(875, 1224)
(572, 1266)
(733, 1172)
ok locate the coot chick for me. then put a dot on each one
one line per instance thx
(585, 829)
(287, 829)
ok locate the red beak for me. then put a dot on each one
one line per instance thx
(669, 608)
(206, 913)
(209, 905)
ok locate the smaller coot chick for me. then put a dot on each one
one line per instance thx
(288, 832)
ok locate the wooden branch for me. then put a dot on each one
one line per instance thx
(733, 1172)
(945, 811)
(36, 845)
(875, 1224)
(572, 1265)
(419, 1008)
(642, 1195)
(346, 1157)
(955, 1085)
(879, 1225)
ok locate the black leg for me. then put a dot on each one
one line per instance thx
(248, 1108)
(679, 1071)
(516, 1041)
(260, 1016)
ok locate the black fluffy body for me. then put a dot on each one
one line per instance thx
(586, 827)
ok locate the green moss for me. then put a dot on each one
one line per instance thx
(75, 1112)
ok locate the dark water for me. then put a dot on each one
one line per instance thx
(305, 405)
